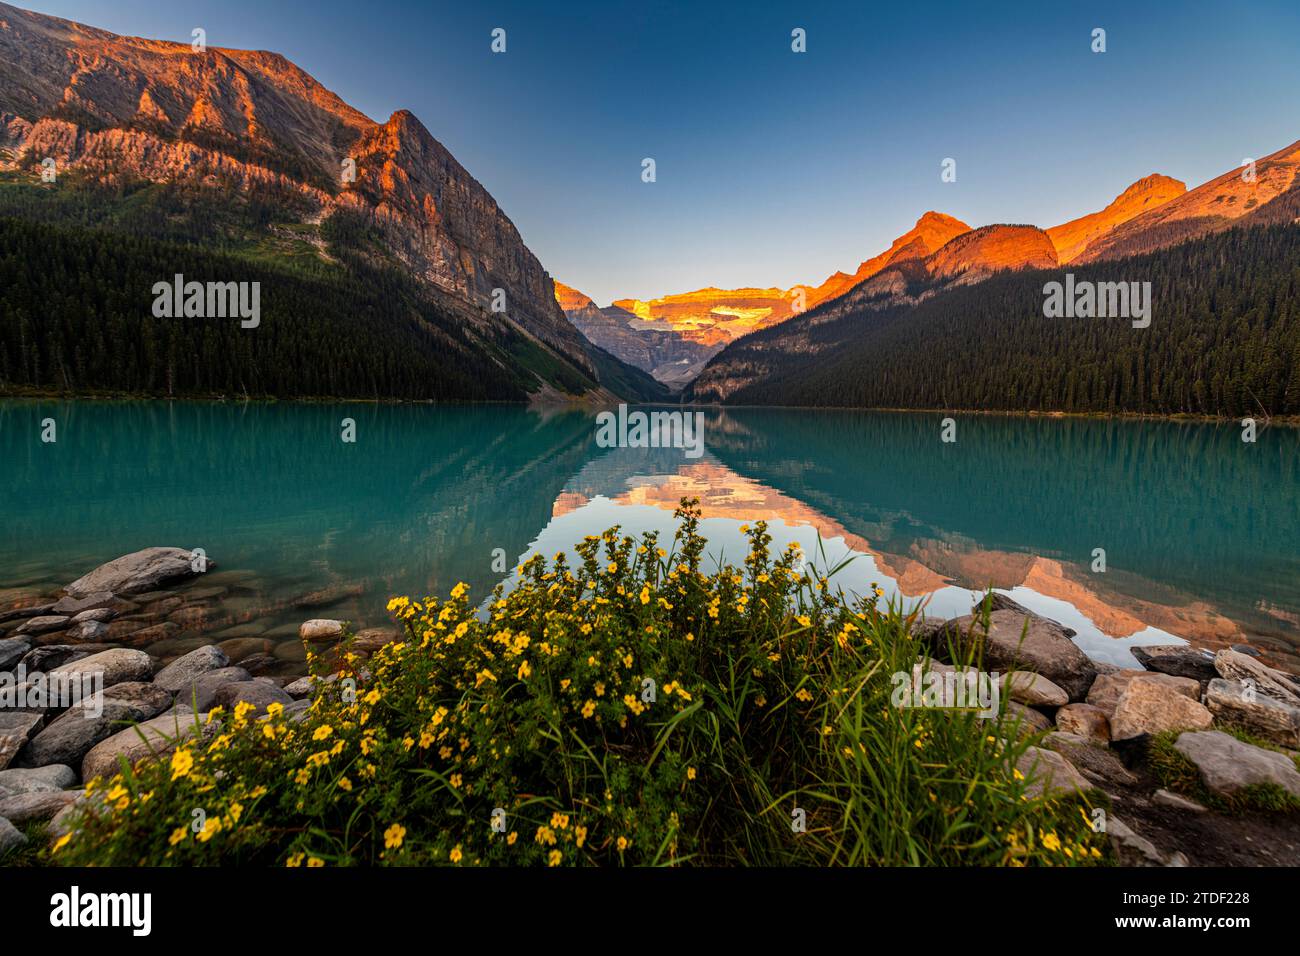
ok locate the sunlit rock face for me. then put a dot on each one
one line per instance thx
(120, 109)
(1148, 193)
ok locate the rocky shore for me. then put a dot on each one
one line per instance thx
(156, 631)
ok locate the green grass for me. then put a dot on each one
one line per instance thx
(1177, 773)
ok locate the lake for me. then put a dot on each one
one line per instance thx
(1200, 530)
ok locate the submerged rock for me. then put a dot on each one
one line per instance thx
(139, 571)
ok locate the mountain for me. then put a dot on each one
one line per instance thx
(931, 232)
(1222, 202)
(968, 258)
(274, 158)
(1073, 237)
(670, 357)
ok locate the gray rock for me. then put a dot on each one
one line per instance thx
(1177, 660)
(371, 639)
(1034, 690)
(1107, 688)
(1227, 765)
(320, 630)
(152, 738)
(16, 728)
(84, 631)
(71, 736)
(55, 777)
(1133, 849)
(93, 601)
(139, 571)
(117, 665)
(11, 838)
(202, 694)
(1025, 721)
(11, 652)
(1018, 641)
(1232, 665)
(302, 687)
(32, 610)
(261, 694)
(43, 625)
(1235, 703)
(184, 671)
(101, 614)
(41, 805)
(1049, 773)
(1085, 720)
(1166, 798)
(1096, 762)
(1151, 707)
(50, 656)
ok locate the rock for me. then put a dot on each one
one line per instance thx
(297, 711)
(200, 617)
(1107, 688)
(1085, 720)
(139, 571)
(1096, 762)
(52, 655)
(186, 670)
(1025, 720)
(11, 838)
(302, 687)
(291, 651)
(118, 665)
(996, 601)
(44, 624)
(372, 639)
(152, 738)
(328, 595)
(16, 728)
(1234, 666)
(101, 614)
(151, 635)
(1227, 765)
(1245, 649)
(1049, 773)
(1152, 707)
(1233, 702)
(42, 805)
(12, 651)
(87, 631)
(258, 664)
(71, 736)
(31, 610)
(319, 631)
(237, 648)
(1166, 798)
(202, 693)
(1018, 641)
(162, 608)
(204, 594)
(259, 693)
(95, 600)
(55, 777)
(1177, 660)
(1034, 690)
(282, 632)
(1131, 848)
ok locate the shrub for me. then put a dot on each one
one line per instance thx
(628, 709)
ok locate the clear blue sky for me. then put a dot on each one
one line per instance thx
(777, 168)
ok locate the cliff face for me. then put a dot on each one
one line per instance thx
(931, 232)
(1072, 238)
(113, 108)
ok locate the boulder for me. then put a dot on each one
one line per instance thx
(117, 665)
(150, 635)
(184, 671)
(82, 632)
(201, 694)
(55, 777)
(101, 614)
(95, 600)
(12, 650)
(44, 624)
(328, 595)
(259, 664)
(371, 639)
(1177, 660)
(1165, 798)
(1247, 706)
(1228, 765)
(31, 610)
(41, 805)
(320, 630)
(1133, 849)
(16, 728)
(1048, 773)
(1096, 762)
(1018, 641)
(139, 571)
(1108, 688)
(11, 838)
(260, 693)
(71, 736)
(1085, 720)
(52, 655)
(238, 648)
(152, 738)
(1025, 720)
(1152, 707)
(1235, 666)
(1034, 690)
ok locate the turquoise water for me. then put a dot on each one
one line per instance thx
(1201, 531)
